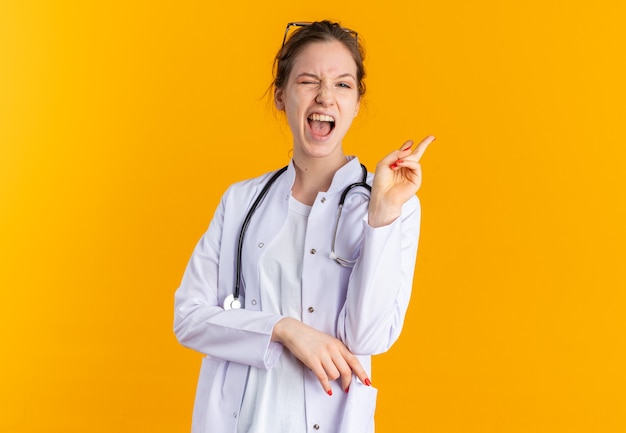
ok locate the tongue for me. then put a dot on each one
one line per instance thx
(319, 127)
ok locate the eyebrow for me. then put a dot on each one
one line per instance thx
(308, 74)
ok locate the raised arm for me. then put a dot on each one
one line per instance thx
(381, 281)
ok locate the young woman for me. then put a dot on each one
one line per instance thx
(294, 287)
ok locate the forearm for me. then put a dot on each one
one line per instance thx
(222, 333)
(380, 285)
(381, 213)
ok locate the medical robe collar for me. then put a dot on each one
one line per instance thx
(349, 173)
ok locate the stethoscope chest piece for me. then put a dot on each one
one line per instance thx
(230, 303)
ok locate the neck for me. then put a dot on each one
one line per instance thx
(313, 176)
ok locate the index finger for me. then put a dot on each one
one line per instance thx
(421, 148)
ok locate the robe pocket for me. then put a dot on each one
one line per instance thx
(359, 410)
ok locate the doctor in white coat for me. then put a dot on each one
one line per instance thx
(319, 294)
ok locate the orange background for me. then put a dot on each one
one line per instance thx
(121, 123)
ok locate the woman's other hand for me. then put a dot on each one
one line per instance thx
(398, 177)
(326, 356)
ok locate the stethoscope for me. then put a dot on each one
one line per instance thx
(232, 301)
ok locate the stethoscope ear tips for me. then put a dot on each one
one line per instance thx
(230, 303)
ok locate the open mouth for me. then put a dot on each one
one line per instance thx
(321, 124)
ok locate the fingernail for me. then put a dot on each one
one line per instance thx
(400, 161)
(330, 392)
(347, 389)
(367, 382)
(392, 166)
(408, 147)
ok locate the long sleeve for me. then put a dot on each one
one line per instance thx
(200, 321)
(380, 284)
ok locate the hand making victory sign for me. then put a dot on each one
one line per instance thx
(398, 177)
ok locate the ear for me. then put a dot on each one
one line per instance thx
(278, 99)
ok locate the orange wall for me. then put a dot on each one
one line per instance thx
(121, 123)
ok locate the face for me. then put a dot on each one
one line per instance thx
(320, 99)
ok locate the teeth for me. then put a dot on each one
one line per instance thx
(321, 118)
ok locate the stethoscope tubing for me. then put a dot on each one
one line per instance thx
(244, 228)
(232, 300)
(345, 262)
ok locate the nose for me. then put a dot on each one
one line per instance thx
(324, 96)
